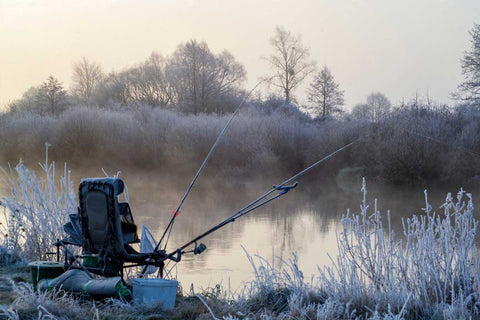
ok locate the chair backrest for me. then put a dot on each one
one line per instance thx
(100, 217)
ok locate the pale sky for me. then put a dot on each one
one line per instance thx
(393, 47)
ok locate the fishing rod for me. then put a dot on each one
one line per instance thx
(282, 188)
(220, 136)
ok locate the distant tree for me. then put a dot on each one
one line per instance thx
(362, 111)
(51, 97)
(375, 109)
(379, 105)
(201, 78)
(86, 78)
(27, 103)
(290, 60)
(325, 94)
(469, 90)
(113, 88)
(147, 83)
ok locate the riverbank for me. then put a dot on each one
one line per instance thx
(273, 294)
(266, 297)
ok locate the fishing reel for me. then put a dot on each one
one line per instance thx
(198, 249)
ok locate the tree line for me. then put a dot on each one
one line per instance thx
(195, 80)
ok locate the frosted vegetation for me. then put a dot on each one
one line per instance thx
(431, 270)
(414, 144)
(35, 210)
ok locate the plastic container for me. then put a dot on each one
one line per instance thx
(45, 270)
(152, 291)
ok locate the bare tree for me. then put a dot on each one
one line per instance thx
(362, 111)
(86, 77)
(26, 103)
(201, 78)
(113, 88)
(379, 106)
(469, 90)
(147, 83)
(51, 96)
(290, 61)
(229, 73)
(325, 94)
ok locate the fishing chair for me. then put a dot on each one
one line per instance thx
(107, 230)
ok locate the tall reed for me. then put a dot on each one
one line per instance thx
(35, 209)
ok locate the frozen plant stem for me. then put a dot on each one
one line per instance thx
(37, 208)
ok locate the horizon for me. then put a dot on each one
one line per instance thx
(398, 49)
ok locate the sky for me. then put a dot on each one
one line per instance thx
(399, 48)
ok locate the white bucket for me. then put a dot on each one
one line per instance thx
(153, 291)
